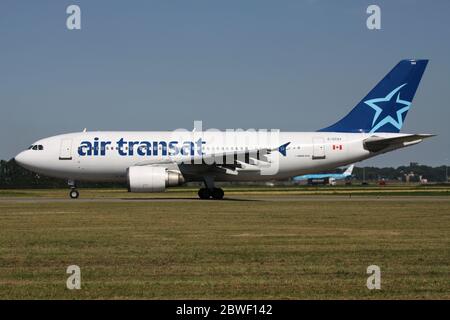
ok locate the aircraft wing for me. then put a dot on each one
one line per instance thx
(230, 162)
(376, 143)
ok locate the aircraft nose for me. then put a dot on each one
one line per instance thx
(22, 159)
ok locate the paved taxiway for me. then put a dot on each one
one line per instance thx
(270, 198)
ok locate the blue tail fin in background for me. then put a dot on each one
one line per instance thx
(385, 107)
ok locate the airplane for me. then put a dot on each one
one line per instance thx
(153, 161)
(336, 176)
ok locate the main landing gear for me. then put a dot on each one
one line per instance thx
(210, 191)
(214, 193)
(74, 194)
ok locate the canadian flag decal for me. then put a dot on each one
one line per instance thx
(337, 146)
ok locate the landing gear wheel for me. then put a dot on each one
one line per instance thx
(217, 193)
(74, 194)
(204, 193)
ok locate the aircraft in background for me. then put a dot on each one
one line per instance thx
(153, 161)
(326, 176)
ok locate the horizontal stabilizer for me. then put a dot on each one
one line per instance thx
(376, 144)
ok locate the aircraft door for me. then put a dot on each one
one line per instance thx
(318, 148)
(65, 151)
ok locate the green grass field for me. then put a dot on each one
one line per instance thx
(245, 247)
(186, 192)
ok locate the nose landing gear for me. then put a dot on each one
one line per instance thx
(74, 194)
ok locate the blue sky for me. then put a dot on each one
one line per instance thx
(160, 65)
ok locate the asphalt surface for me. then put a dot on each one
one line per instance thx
(270, 198)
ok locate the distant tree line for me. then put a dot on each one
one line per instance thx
(415, 170)
(14, 176)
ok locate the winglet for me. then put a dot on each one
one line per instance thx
(282, 148)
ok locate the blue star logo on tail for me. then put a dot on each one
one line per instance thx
(392, 113)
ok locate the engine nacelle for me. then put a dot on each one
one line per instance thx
(152, 179)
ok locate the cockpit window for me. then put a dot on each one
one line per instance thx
(36, 147)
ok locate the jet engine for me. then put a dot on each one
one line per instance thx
(152, 179)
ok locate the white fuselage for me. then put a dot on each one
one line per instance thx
(308, 152)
